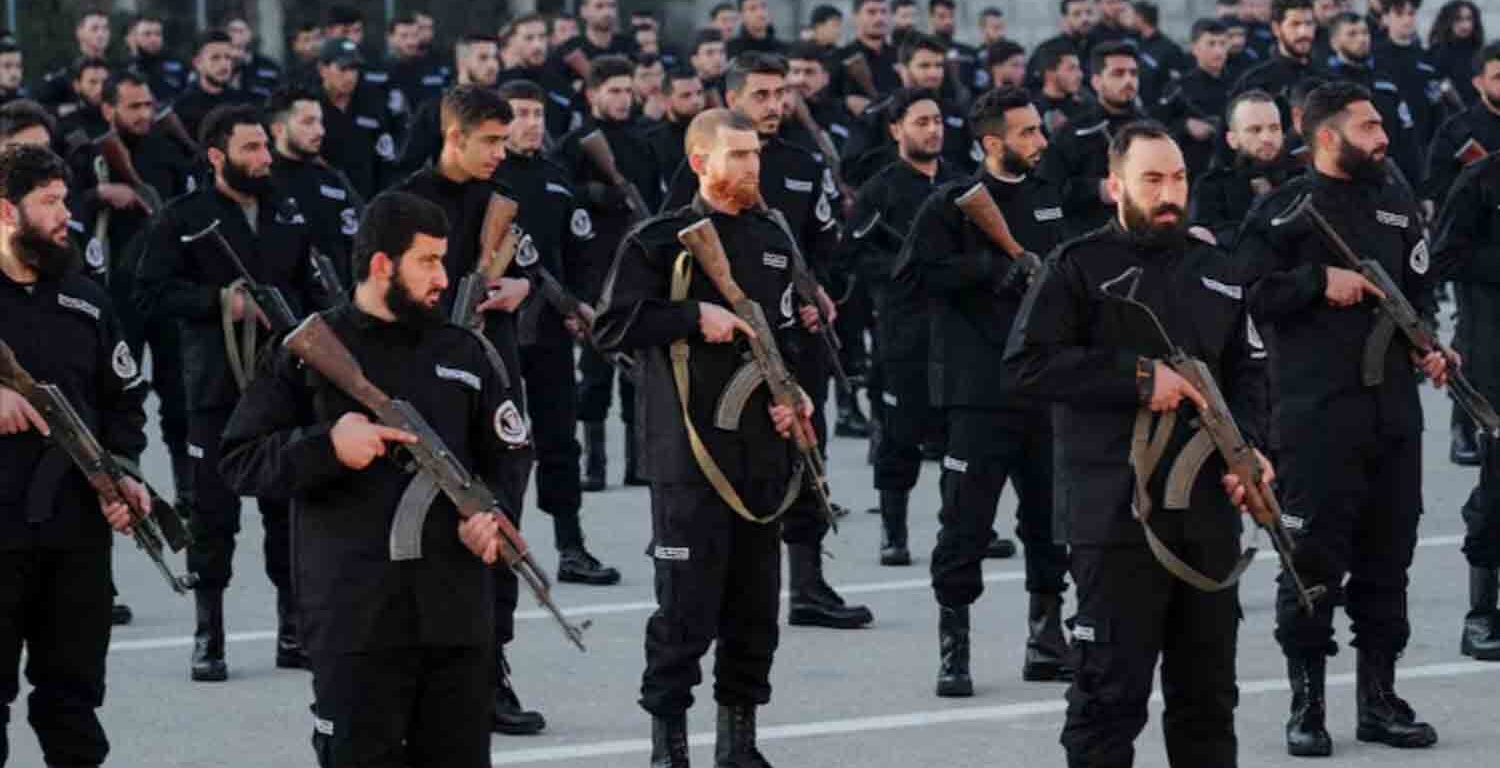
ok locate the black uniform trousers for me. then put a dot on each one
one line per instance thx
(1130, 612)
(1353, 501)
(1482, 510)
(596, 382)
(985, 449)
(804, 522)
(215, 519)
(718, 578)
(404, 707)
(56, 604)
(906, 421)
(165, 339)
(548, 370)
(507, 594)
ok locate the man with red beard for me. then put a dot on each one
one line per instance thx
(55, 580)
(717, 558)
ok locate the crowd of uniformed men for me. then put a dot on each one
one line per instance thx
(1205, 184)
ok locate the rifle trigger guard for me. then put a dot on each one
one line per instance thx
(1372, 368)
(736, 394)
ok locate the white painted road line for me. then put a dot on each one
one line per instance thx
(609, 609)
(996, 713)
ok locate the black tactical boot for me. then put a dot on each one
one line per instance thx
(289, 651)
(575, 565)
(1306, 735)
(632, 473)
(1046, 646)
(735, 744)
(669, 741)
(120, 614)
(953, 653)
(1481, 638)
(510, 718)
(208, 637)
(893, 549)
(813, 603)
(595, 456)
(999, 548)
(1383, 716)
(851, 421)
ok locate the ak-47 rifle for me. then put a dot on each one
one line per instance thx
(555, 294)
(120, 169)
(155, 533)
(327, 276)
(702, 241)
(1217, 432)
(437, 471)
(170, 124)
(857, 67)
(979, 207)
(497, 249)
(826, 148)
(596, 148)
(268, 299)
(1396, 313)
(808, 290)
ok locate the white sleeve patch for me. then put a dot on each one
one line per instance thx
(509, 425)
(123, 362)
(581, 225)
(1419, 260)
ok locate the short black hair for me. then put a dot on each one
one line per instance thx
(1003, 50)
(24, 168)
(343, 13)
(920, 41)
(86, 63)
(1344, 18)
(111, 93)
(1062, 7)
(522, 90)
(806, 50)
(1396, 5)
(987, 116)
(645, 60)
(1280, 8)
(400, 20)
(283, 99)
(219, 124)
(703, 37)
(1148, 12)
(860, 4)
(949, 4)
(1140, 130)
(989, 10)
(209, 38)
(22, 114)
(1252, 96)
(904, 99)
(1326, 102)
(752, 63)
(142, 18)
(823, 13)
(602, 68)
(1296, 96)
(8, 46)
(1490, 52)
(901, 4)
(1203, 27)
(390, 224)
(471, 106)
(1101, 54)
(720, 8)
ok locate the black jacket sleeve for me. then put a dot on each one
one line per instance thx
(272, 445)
(634, 309)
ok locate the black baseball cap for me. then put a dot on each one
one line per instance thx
(341, 51)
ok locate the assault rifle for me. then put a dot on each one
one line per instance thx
(825, 147)
(979, 207)
(767, 366)
(555, 294)
(1217, 432)
(807, 289)
(155, 533)
(857, 67)
(437, 471)
(272, 305)
(327, 277)
(596, 148)
(170, 124)
(497, 249)
(120, 168)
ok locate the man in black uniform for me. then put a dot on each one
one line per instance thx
(872, 24)
(166, 75)
(1192, 106)
(1223, 196)
(609, 98)
(898, 383)
(707, 59)
(360, 130)
(756, 31)
(718, 564)
(1162, 60)
(1401, 58)
(191, 283)
(684, 95)
(418, 78)
(1077, 161)
(213, 65)
(601, 35)
(975, 289)
(55, 559)
(476, 60)
(1352, 63)
(798, 186)
(1294, 26)
(1058, 96)
(1098, 360)
(1480, 123)
(809, 72)
(1074, 18)
(1351, 453)
(942, 21)
(402, 666)
(1467, 232)
(323, 193)
(523, 56)
(92, 36)
(254, 74)
(82, 119)
(12, 73)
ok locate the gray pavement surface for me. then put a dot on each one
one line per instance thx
(845, 698)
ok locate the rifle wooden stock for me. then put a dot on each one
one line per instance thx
(979, 207)
(171, 126)
(596, 148)
(578, 61)
(1471, 152)
(824, 141)
(857, 67)
(121, 169)
(496, 243)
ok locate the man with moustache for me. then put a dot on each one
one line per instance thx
(324, 194)
(809, 73)
(190, 283)
(1097, 361)
(1352, 63)
(402, 665)
(166, 75)
(82, 119)
(684, 99)
(1074, 19)
(360, 128)
(1078, 160)
(601, 35)
(476, 62)
(872, 25)
(213, 66)
(797, 185)
(1293, 24)
(56, 589)
(609, 98)
(1223, 197)
(707, 59)
(523, 56)
(717, 561)
(1351, 452)
(1058, 99)
(756, 31)
(91, 34)
(898, 382)
(994, 435)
